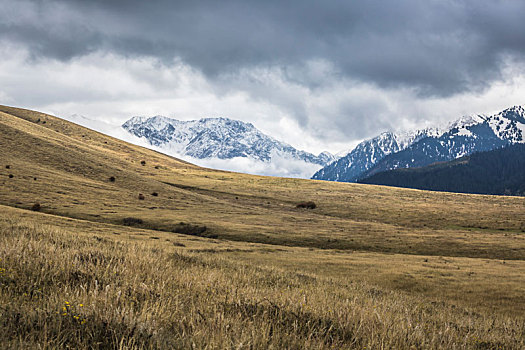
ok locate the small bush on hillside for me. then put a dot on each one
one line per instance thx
(143, 162)
(36, 207)
(189, 229)
(34, 178)
(132, 221)
(141, 197)
(306, 205)
(11, 176)
(155, 194)
(8, 166)
(112, 179)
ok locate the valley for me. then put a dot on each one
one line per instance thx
(370, 266)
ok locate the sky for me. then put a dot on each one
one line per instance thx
(319, 75)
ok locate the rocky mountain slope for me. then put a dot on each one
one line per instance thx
(366, 154)
(219, 138)
(462, 137)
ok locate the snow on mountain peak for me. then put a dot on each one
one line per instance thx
(466, 121)
(222, 139)
(463, 136)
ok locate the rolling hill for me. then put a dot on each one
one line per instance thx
(131, 248)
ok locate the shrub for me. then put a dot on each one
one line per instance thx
(8, 166)
(141, 196)
(188, 229)
(143, 162)
(155, 194)
(306, 205)
(11, 176)
(34, 178)
(112, 179)
(132, 221)
(36, 207)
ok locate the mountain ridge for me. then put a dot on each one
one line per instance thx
(367, 153)
(463, 136)
(218, 138)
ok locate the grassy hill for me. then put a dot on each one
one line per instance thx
(500, 171)
(165, 254)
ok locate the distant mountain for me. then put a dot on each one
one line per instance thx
(365, 155)
(225, 139)
(462, 137)
(500, 171)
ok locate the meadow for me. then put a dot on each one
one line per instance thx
(130, 248)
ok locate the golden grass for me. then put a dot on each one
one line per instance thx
(444, 270)
(70, 289)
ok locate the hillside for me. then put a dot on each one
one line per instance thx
(163, 253)
(500, 172)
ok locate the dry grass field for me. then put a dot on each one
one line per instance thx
(213, 259)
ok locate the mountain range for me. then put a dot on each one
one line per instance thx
(217, 139)
(424, 147)
(235, 145)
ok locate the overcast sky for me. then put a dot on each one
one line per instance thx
(320, 75)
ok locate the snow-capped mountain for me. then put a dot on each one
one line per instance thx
(366, 154)
(216, 139)
(461, 137)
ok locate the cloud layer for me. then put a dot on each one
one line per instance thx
(318, 75)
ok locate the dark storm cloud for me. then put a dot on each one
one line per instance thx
(439, 47)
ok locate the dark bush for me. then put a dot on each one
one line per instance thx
(11, 176)
(34, 178)
(141, 196)
(8, 166)
(157, 167)
(143, 162)
(306, 205)
(155, 194)
(188, 229)
(132, 221)
(112, 179)
(36, 207)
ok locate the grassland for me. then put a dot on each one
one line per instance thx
(371, 266)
